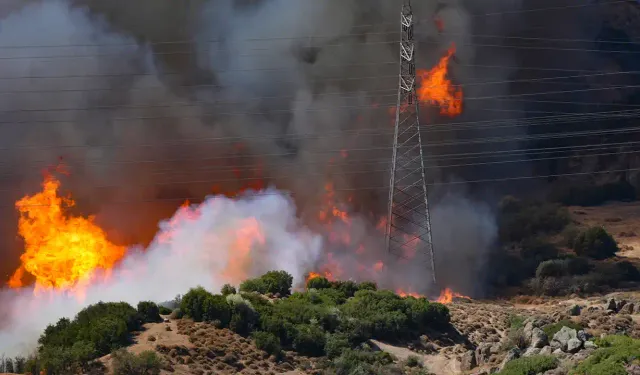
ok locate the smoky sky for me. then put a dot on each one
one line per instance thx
(155, 101)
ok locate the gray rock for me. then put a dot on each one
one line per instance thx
(468, 361)
(583, 336)
(590, 345)
(547, 350)
(591, 309)
(511, 355)
(562, 337)
(574, 345)
(620, 304)
(632, 369)
(531, 351)
(575, 310)
(483, 353)
(557, 352)
(611, 305)
(539, 339)
(627, 309)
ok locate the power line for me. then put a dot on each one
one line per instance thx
(366, 188)
(321, 79)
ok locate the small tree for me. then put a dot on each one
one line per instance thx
(8, 366)
(149, 312)
(595, 243)
(216, 308)
(192, 303)
(318, 283)
(268, 342)
(278, 282)
(18, 365)
(146, 363)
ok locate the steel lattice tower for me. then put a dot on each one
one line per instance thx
(408, 221)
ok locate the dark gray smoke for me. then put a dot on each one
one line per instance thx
(165, 99)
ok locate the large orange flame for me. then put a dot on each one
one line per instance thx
(436, 89)
(61, 251)
(447, 296)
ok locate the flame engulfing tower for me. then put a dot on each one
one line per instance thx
(408, 221)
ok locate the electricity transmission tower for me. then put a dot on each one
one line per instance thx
(408, 222)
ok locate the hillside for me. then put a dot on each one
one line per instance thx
(575, 312)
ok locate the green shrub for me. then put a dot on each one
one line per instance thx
(532, 365)
(336, 344)
(318, 283)
(551, 268)
(516, 321)
(268, 342)
(614, 353)
(278, 282)
(523, 221)
(243, 315)
(595, 243)
(214, 308)
(358, 362)
(254, 285)
(367, 285)
(412, 361)
(347, 288)
(149, 312)
(163, 310)
(228, 289)
(192, 303)
(552, 329)
(385, 315)
(125, 363)
(627, 271)
(309, 340)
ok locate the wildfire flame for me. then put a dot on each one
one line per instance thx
(447, 296)
(436, 89)
(61, 251)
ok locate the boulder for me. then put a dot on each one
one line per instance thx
(547, 350)
(468, 361)
(511, 355)
(531, 351)
(539, 339)
(590, 345)
(562, 337)
(620, 304)
(583, 336)
(574, 345)
(483, 353)
(627, 309)
(611, 305)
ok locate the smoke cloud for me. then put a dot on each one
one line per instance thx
(220, 241)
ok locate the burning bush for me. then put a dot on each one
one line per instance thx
(149, 312)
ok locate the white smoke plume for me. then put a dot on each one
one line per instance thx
(220, 241)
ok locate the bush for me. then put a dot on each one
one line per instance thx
(253, 285)
(243, 315)
(612, 356)
(385, 315)
(552, 329)
(595, 243)
(268, 342)
(216, 308)
(362, 362)
(627, 271)
(125, 363)
(149, 312)
(192, 303)
(228, 289)
(318, 283)
(163, 310)
(310, 340)
(551, 268)
(522, 221)
(535, 364)
(336, 344)
(278, 282)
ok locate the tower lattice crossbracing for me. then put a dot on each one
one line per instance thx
(408, 222)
